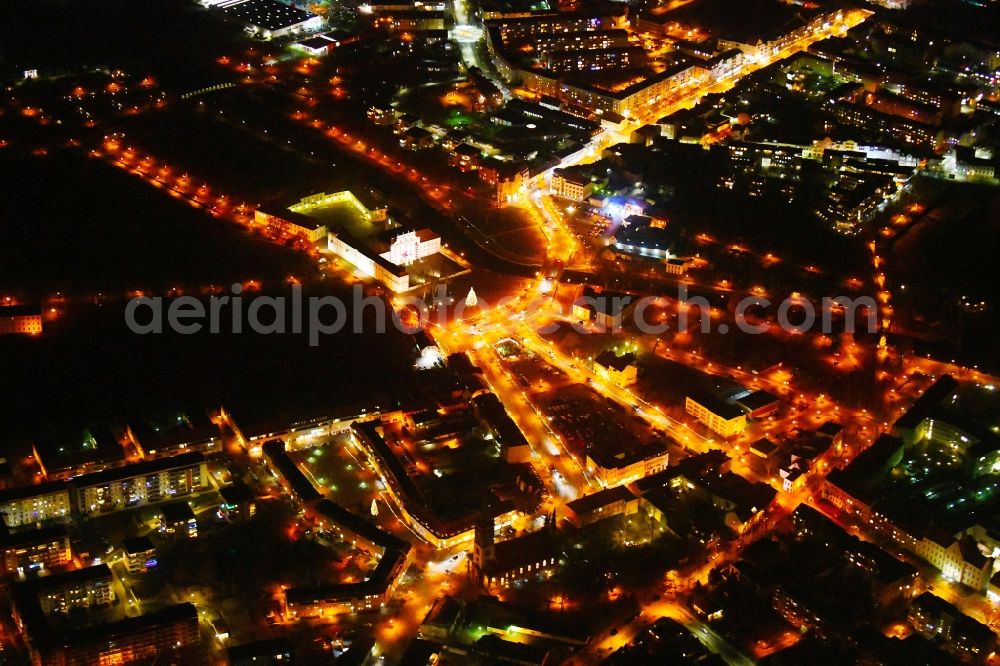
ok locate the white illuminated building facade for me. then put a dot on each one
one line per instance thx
(353, 252)
(383, 261)
(410, 246)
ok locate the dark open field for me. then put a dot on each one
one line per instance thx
(73, 224)
(176, 39)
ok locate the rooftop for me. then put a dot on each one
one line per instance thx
(95, 446)
(176, 512)
(521, 551)
(741, 21)
(111, 631)
(67, 579)
(143, 468)
(600, 499)
(495, 414)
(396, 474)
(236, 493)
(298, 219)
(262, 651)
(763, 446)
(756, 400)
(20, 310)
(617, 457)
(611, 303)
(861, 477)
(23, 538)
(275, 452)
(376, 583)
(266, 14)
(610, 359)
(644, 237)
(716, 405)
(23, 492)
(358, 525)
(137, 545)
(510, 652)
(962, 623)
(188, 427)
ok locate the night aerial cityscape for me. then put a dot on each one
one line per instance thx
(500, 332)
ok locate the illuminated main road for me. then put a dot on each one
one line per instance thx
(688, 96)
(520, 319)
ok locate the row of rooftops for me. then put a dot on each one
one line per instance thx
(711, 470)
(732, 20)
(862, 479)
(595, 501)
(22, 538)
(276, 454)
(961, 623)
(928, 404)
(448, 615)
(839, 49)
(142, 468)
(883, 566)
(609, 13)
(368, 432)
(394, 550)
(542, 112)
(626, 454)
(193, 427)
(826, 574)
(272, 209)
(362, 247)
(44, 639)
(376, 583)
(673, 70)
(66, 579)
(492, 411)
(682, 64)
(524, 550)
(101, 445)
(98, 446)
(262, 651)
(358, 525)
(253, 426)
(340, 231)
(639, 232)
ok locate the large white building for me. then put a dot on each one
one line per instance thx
(410, 246)
(353, 251)
(569, 185)
(720, 416)
(385, 264)
(267, 18)
(615, 465)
